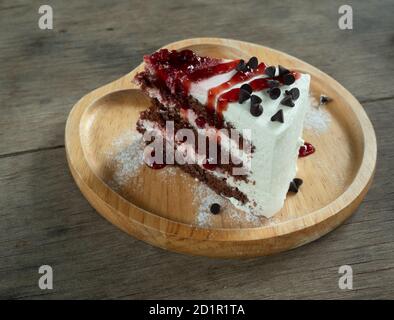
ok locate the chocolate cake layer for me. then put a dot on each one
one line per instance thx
(219, 185)
(159, 114)
(147, 82)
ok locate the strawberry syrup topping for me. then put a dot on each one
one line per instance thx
(306, 150)
(256, 85)
(178, 69)
(236, 79)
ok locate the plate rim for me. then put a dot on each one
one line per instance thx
(355, 190)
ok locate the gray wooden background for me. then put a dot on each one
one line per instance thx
(45, 220)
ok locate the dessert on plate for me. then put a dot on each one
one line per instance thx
(235, 125)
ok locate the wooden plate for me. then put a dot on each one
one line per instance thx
(159, 206)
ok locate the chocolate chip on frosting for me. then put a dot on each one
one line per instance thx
(288, 79)
(247, 88)
(286, 101)
(243, 96)
(278, 116)
(241, 66)
(255, 99)
(255, 107)
(244, 93)
(294, 93)
(270, 71)
(256, 110)
(274, 93)
(273, 83)
(283, 71)
(252, 63)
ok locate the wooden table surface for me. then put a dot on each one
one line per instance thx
(45, 220)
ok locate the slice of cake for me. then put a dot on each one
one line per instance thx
(233, 125)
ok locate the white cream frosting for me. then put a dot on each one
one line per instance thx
(274, 160)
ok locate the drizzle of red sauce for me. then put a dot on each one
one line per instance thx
(209, 166)
(237, 78)
(257, 85)
(306, 150)
(177, 70)
(156, 166)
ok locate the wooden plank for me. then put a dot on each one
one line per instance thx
(45, 220)
(46, 72)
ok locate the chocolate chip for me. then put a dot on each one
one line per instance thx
(288, 79)
(286, 101)
(274, 93)
(252, 63)
(247, 88)
(256, 110)
(294, 93)
(255, 99)
(278, 116)
(270, 71)
(282, 70)
(324, 99)
(295, 185)
(243, 96)
(298, 182)
(273, 83)
(241, 66)
(215, 208)
(255, 107)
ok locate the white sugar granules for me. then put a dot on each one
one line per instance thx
(317, 117)
(127, 156)
(168, 171)
(204, 197)
(127, 159)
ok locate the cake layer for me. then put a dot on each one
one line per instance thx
(215, 177)
(192, 111)
(206, 155)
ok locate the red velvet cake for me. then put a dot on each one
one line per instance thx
(233, 125)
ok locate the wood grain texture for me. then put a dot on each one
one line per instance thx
(45, 220)
(50, 70)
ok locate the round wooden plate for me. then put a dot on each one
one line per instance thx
(160, 208)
